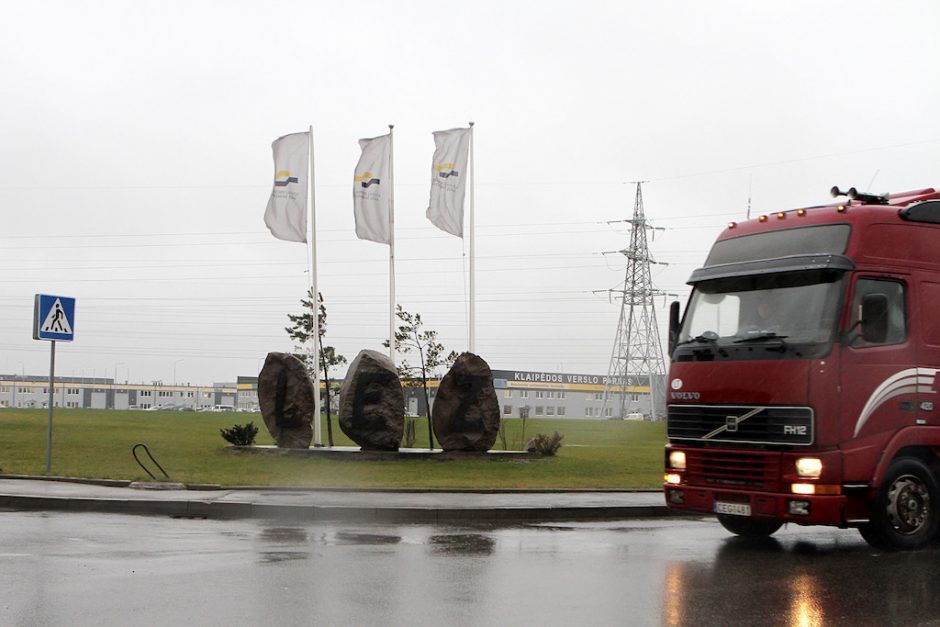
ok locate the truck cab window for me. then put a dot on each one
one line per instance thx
(897, 323)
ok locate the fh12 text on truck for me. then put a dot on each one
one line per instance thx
(804, 372)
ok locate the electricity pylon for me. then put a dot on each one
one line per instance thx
(637, 357)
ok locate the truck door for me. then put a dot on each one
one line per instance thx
(929, 327)
(878, 379)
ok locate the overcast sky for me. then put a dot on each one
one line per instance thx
(135, 161)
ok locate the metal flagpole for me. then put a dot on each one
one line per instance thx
(473, 305)
(391, 243)
(315, 358)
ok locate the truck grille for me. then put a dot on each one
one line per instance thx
(741, 424)
(741, 469)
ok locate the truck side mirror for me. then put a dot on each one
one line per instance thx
(673, 326)
(874, 318)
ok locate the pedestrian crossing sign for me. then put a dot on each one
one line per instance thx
(54, 318)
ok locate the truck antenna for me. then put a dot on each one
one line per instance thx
(750, 184)
(872, 181)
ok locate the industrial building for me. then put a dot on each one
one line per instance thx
(99, 393)
(520, 393)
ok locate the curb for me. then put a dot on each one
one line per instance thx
(328, 513)
(204, 487)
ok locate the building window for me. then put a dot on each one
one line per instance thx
(189, 394)
(609, 412)
(523, 393)
(507, 410)
(145, 393)
(539, 394)
(72, 404)
(589, 412)
(561, 411)
(598, 396)
(507, 393)
(539, 410)
(550, 411)
(72, 391)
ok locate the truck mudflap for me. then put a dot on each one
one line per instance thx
(835, 510)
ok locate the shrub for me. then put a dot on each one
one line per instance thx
(548, 445)
(240, 435)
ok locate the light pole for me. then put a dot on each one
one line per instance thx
(22, 378)
(113, 382)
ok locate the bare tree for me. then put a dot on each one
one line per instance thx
(412, 337)
(302, 331)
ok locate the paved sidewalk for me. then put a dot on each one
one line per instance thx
(328, 505)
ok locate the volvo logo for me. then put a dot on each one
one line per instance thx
(732, 422)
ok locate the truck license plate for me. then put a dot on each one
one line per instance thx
(735, 509)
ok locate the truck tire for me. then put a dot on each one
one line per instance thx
(904, 513)
(749, 527)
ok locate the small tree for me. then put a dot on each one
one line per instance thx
(411, 336)
(302, 332)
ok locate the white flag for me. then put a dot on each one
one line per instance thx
(371, 189)
(449, 179)
(286, 214)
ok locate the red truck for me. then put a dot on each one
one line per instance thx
(803, 379)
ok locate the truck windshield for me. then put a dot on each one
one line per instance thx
(795, 312)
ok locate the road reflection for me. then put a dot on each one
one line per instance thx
(462, 544)
(367, 539)
(801, 584)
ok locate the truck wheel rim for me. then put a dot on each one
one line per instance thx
(908, 505)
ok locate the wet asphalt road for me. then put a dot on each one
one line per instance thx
(92, 569)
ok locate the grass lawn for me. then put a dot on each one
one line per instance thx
(97, 444)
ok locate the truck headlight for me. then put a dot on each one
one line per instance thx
(809, 467)
(677, 460)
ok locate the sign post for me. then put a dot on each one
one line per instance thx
(53, 319)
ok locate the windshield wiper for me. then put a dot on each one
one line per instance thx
(762, 335)
(709, 337)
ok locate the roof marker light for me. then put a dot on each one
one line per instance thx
(841, 208)
(731, 225)
(762, 219)
(781, 215)
(801, 212)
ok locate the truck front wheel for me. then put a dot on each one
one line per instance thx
(749, 527)
(904, 512)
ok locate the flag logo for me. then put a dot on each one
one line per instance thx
(445, 170)
(367, 179)
(283, 178)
